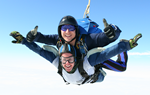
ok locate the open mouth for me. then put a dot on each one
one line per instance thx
(68, 67)
(68, 35)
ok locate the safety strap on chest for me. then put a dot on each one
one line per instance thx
(59, 43)
(81, 45)
(60, 73)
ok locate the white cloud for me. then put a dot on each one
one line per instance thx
(42, 79)
(139, 53)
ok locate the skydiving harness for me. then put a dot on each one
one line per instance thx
(81, 45)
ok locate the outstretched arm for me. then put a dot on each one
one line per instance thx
(101, 56)
(46, 39)
(32, 46)
(33, 35)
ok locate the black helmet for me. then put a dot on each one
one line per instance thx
(67, 48)
(67, 20)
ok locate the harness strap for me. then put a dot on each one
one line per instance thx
(81, 44)
(60, 73)
(81, 69)
(59, 42)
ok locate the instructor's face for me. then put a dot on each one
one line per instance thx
(67, 61)
(68, 32)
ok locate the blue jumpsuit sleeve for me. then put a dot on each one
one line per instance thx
(100, 39)
(47, 39)
(37, 49)
(106, 54)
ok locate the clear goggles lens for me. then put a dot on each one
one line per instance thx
(65, 59)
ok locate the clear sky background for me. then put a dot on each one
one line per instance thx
(22, 72)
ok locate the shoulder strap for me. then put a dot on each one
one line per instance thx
(59, 42)
(60, 73)
(81, 45)
(59, 69)
(81, 69)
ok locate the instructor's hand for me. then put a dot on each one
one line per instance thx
(109, 30)
(32, 34)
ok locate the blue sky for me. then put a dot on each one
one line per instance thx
(23, 72)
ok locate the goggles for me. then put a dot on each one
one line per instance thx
(65, 59)
(70, 27)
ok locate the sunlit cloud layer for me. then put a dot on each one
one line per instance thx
(139, 53)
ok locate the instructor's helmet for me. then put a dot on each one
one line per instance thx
(68, 20)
